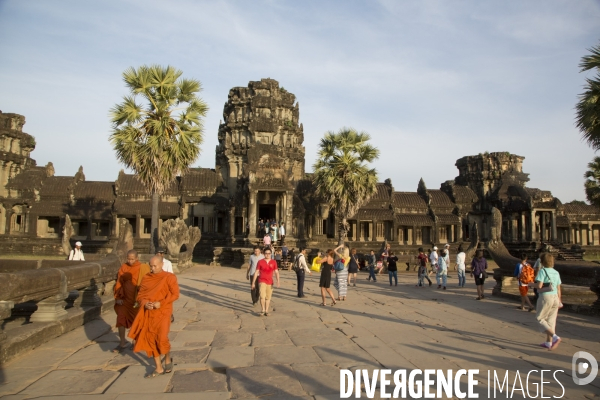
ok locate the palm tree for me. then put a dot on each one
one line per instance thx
(588, 107)
(342, 175)
(160, 137)
(592, 183)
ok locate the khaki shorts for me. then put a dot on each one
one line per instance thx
(265, 291)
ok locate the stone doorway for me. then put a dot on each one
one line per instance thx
(267, 211)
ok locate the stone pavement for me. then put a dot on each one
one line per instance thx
(222, 349)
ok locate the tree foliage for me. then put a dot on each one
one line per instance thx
(158, 128)
(343, 177)
(588, 107)
(592, 182)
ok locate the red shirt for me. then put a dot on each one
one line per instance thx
(422, 260)
(266, 269)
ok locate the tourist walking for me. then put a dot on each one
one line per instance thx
(261, 228)
(76, 254)
(392, 267)
(371, 260)
(384, 258)
(251, 270)
(525, 275)
(433, 259)
(281, 233)
(150, 330)
(267, 240)
(478, 270)
(548, 284)
(341, 276)
(422, 271)
(129, 279)
(325, 281)
(278, 257)
(447, 250)
(442, 270)
(301, 269)
(284, 255)
(274, 232)
(460, 266)
(353, 267)
(167, 265)
(264, 273)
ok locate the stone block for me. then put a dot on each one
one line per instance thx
(230, 357)
(262, 381)
(92, 357)
(71, 382)
(312, 337)
(284, 355)
(133, 381)
(226, 339)
(198, 381)
(344, 356)
(271, 338)
(196, 338)
(318, 379)
(190, 356)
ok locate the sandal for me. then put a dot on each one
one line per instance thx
(266, 314)
(153, 374)
(169, 367)
(333, 304)
(322, 304)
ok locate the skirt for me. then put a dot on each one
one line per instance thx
(341, 282)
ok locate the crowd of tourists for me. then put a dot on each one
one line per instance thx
(270, 231)
(341, 265)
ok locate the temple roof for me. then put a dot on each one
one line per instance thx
(96, 191)
(144, 208)
(378, 214)
(448, 219)
(440, 199)
(408, 199)
(56, 186)
(464, 194)
(201, 179)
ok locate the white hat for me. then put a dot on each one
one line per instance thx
(78, 244)
(446, 245)
(435, 247)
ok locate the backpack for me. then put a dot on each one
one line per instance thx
(527, 274)
(296, 266)
(338, 265)
(423, 261)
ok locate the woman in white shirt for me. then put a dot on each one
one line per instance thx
(460, 266)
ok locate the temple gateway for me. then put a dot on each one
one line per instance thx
(260, 174)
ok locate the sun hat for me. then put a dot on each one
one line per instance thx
(78, 244)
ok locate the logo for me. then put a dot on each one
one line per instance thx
(580, 368)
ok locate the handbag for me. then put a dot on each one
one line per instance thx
(547, 287)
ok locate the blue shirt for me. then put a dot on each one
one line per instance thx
(549, 275)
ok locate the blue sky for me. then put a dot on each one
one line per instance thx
(431, 81)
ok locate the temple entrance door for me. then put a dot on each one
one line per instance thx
(266, 211)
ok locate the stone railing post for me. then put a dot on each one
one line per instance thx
(53, 308)
(90, 296)
(5, 312)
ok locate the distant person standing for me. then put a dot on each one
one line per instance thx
(301, 269)
(267, 240)
(76, 254)
(353, 267)
(167, 265)
(284, 254)
(341, 276)
(282, 233)
(384, 258)
(274, 232)
(261, 228)
(392, 267)
(442, 270)
(371, 260)
(251, 270)
(460, 266)
(422, 258)
(325, 280)
(525, 275)
(478, 267)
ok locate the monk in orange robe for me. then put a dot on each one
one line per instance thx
(126, 289)
(151, 327)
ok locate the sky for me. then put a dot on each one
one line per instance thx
(430, 81)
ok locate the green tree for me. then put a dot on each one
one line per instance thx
(592, 182)
(588, 107)
(158, 137)
(343, 177)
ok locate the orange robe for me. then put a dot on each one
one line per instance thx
(150, 329)
(128, 282)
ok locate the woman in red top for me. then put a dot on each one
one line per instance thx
(264, 273)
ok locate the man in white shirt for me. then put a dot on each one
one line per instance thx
(433, 260)
(76, 254)
(460, 266)
(301, 270)
(167, 265)
(282, 233)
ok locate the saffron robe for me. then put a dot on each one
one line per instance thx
(150, 329)
(129, 279)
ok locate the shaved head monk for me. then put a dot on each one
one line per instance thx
(151, 327)
(129, 280)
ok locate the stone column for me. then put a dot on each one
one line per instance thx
(451, 236)
(252, 213)
(9, 223)
(138, 225)
(523, 231)
(543, 226)
(371, 231)
(90, 296)
(533, 236)
(554, 230)
(359, 232)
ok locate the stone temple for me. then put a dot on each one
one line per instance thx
(260, 173)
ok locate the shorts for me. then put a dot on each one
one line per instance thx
(479, 281)
(523, 290)
(265, 291)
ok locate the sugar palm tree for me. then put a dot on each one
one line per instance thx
(588, 107)
(592, 183)
(343, 177)
(158, 137)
